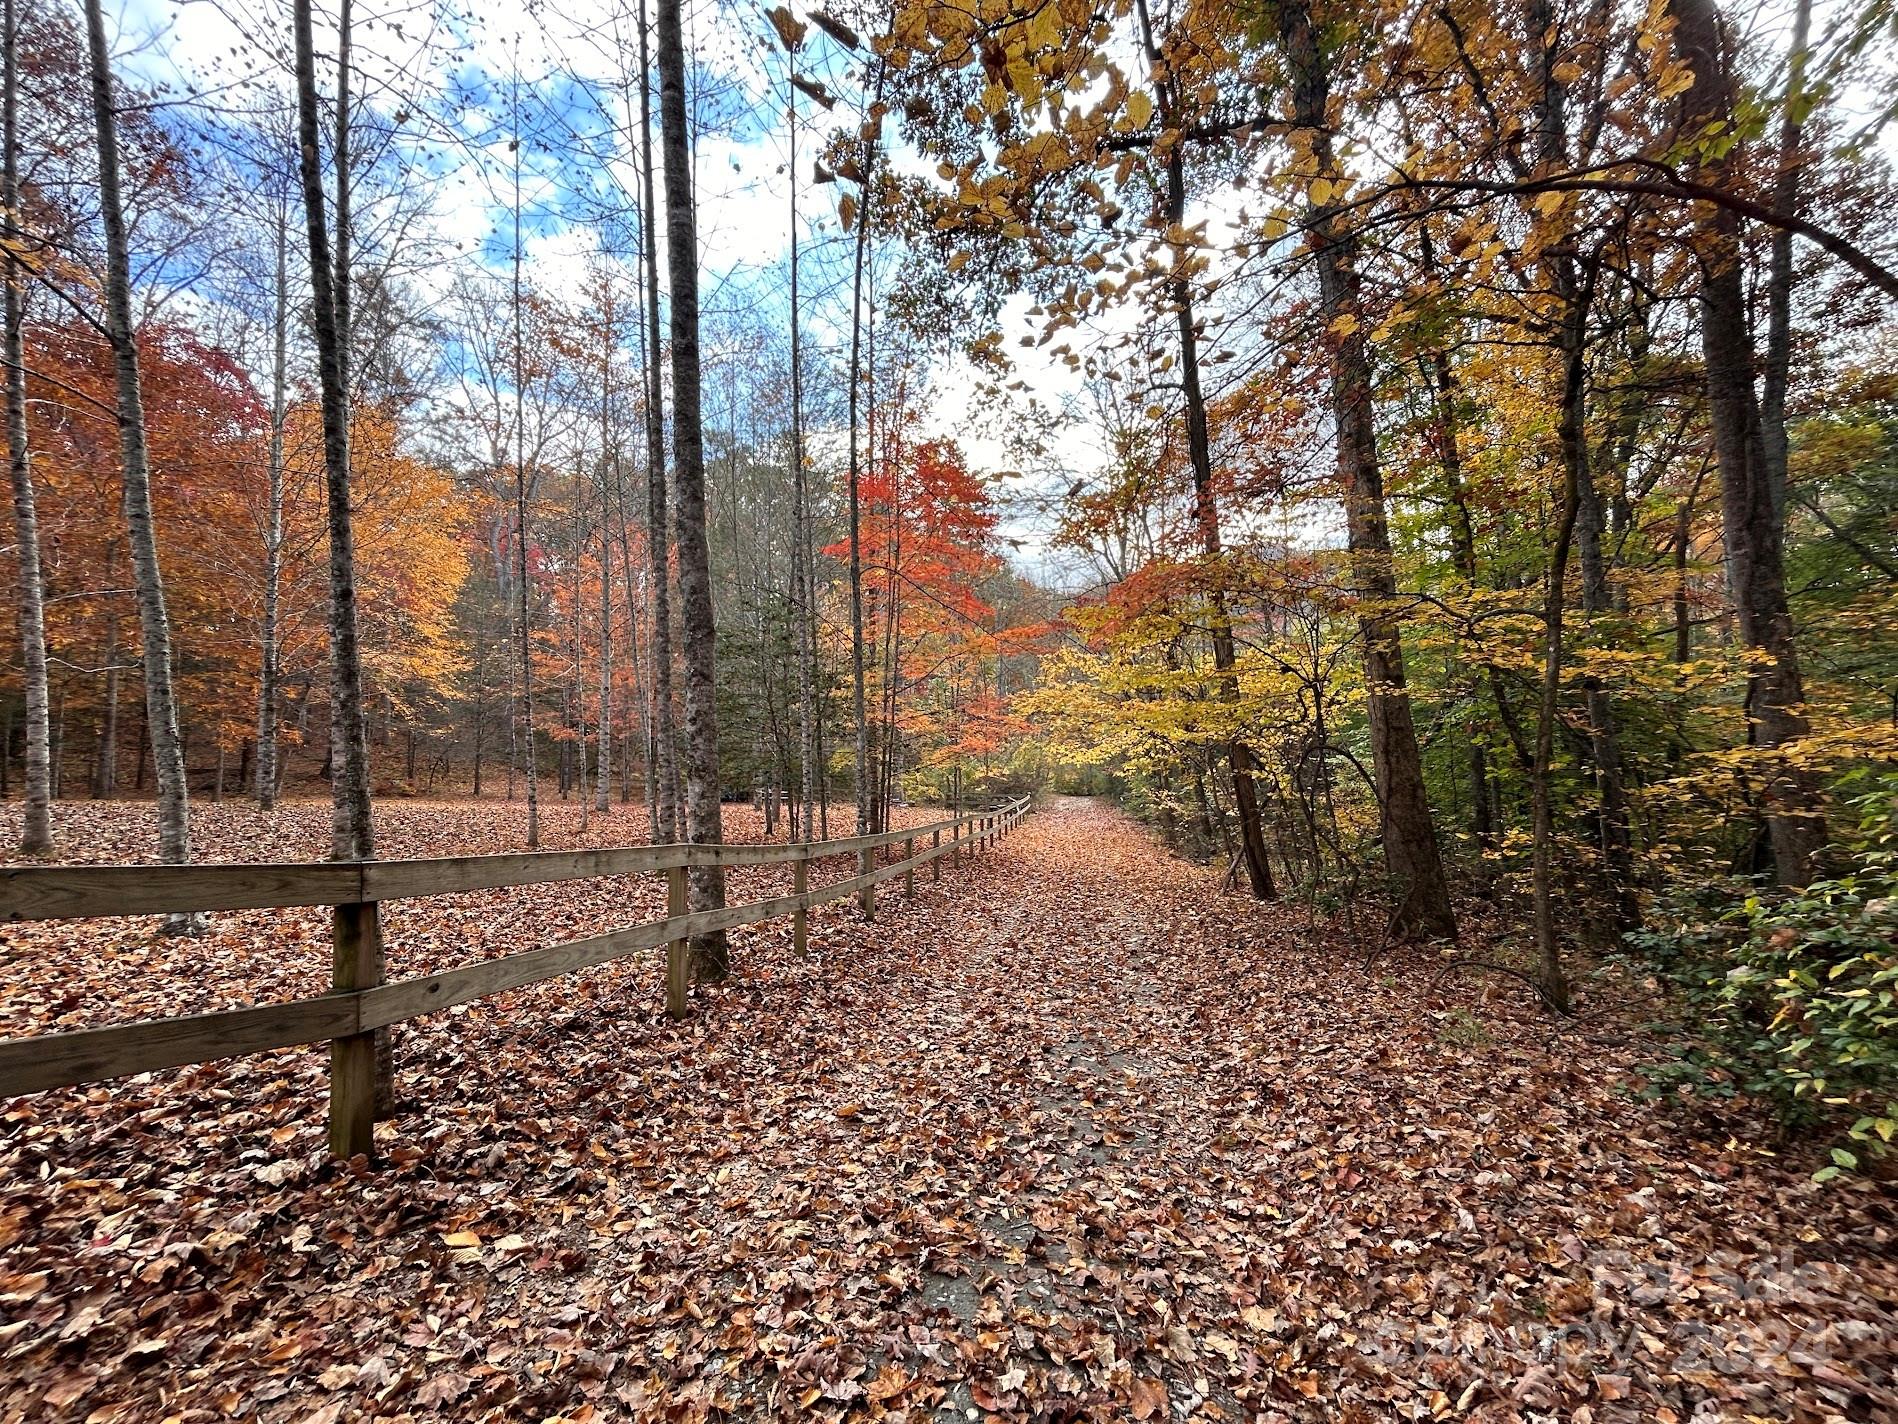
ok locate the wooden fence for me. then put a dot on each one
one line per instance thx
(360, 1001)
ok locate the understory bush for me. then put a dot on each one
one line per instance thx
(1791, 998)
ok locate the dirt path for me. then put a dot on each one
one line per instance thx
(1066, 1137)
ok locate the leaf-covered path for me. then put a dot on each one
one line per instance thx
(1069, 1136)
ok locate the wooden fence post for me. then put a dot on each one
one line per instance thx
(355, 963)
(801, 917)
(909, 870)
(935, 861)
(867, 897)
(678, 951)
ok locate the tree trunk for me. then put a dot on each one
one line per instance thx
(632, 654)
(524, 609)
(105, 778)
(352, 826)
(711, 953)
(1752, 528)
(664, 752)
(1603, 735)
(480, 711)
(1422, 897)
(859, 711)
(266, 784)
(352, 830)
(1199, 450)
(36, 830)
(803, 552)
(1444, 389)
(1550, 976)
(59, 742)
(603, 781)
(161, 708)
(1590, 524)
(1779, 282)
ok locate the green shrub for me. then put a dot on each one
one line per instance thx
(1794, 1001)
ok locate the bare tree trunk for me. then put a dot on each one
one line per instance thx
(480, 708)
(632, 646)
(711, 953)
(161, 708)
(1779, 282)
(1603, 735)
(266, 784)
(1410, 843)
(105, 779)
(1752, 527)
(59, 741)
(803, 553)
(352, 826)
(889, 762)
(1590, 523)
(857, 691)
(1550, 975)
(1206, 505)
(658, 535)
(520, 512)
(603, 782)
(36, 830)
(513, 717)
(353, 833)
(1463, 542)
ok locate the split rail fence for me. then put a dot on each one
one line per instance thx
(360, 1002)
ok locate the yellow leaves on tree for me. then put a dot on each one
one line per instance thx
(410, 553)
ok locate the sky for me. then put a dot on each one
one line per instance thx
(573, 59)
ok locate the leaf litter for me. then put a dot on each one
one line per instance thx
(1069, 1136)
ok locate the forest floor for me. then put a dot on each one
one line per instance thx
(1068, 1136)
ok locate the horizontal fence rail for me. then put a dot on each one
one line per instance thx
(70, 892)
(350, 1014)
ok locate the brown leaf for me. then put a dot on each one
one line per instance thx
(1148, 1397)
(444, 1388)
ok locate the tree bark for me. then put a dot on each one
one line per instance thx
(857, 651)
(803, 552)
(1444, 390)
(1550, 975)
(36, 829)
(1603, 735)
(711, 953)
(603, 782)
(105, 776)
(352, 825)
(1752, 528)
(525, 607)
(1779, 281)
(663, 757)
(1422, 896)
(1589, 524)
(1245, 794)
(266, 783)
(161, 708)
(352, 830)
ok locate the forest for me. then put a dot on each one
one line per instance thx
(1433, 465)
